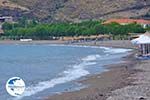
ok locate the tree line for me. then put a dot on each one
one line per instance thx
(32, 28)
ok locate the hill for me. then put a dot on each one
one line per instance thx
(95, 9)
(75, 10)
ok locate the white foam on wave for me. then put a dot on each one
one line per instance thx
(91, 57)
(74, 73)
(107, 49)
(115, 50)
(69, 45)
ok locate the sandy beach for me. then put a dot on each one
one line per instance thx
(32, 42)
(110, 43)
(128, 80)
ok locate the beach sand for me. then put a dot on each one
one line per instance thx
(140, 88)
(110, 43)
(32, 42)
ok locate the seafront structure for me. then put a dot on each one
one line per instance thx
(143, 43)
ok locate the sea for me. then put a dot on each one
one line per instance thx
(50, 69)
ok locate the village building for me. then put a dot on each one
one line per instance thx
(143, 44)
(4, 19)
(144, 23)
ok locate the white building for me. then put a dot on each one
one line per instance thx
(6, 19)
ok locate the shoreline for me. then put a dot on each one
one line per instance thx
(32, 42)
(101, 85)
(109, 43)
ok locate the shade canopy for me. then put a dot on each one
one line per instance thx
(143, 39)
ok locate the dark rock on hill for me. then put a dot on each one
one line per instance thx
(75, 10)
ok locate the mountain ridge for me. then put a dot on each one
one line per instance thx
(75, 10)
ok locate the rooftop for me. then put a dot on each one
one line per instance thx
(6, 17)
(120, 21)
(142, 39)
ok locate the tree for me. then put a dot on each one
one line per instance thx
(7, 26)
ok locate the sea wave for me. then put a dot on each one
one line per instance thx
(115, 50)
(106, 49)
(91, 57)
(77, 71)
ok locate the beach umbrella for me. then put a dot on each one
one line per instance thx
(143, 39)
